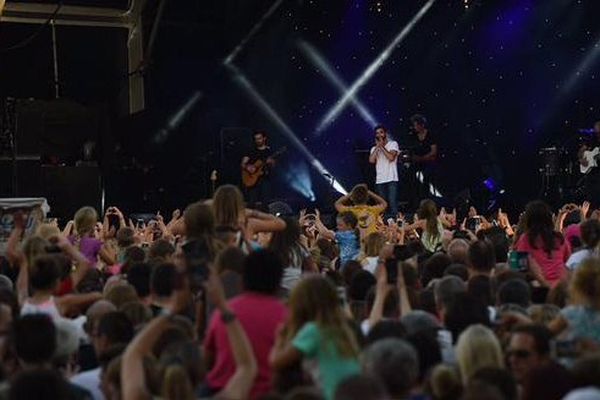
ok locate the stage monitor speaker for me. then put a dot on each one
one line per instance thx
(69, 188)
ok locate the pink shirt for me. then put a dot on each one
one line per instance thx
(260, 315)
(553, 265)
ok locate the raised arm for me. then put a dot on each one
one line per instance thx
(259, 221)
(373, 155)
(322, 229)
(389, 154)
(340, 204)
(379, 201)
(82, 263)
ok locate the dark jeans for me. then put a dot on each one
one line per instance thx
(389, 191)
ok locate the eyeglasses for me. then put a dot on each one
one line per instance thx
(518, 353)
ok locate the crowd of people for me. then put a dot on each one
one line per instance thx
(225, 302)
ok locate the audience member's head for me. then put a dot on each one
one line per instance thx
(33, 337)
(418, 321)
(161, 250)
(480, 287)
(446, 289)
(434, 267)
(262, 272)
(477, 348)
(125, 237)
(481, 258)
(529, 347)
(230, 259)
(428, 349)
(465, 310)
(387, 328)
(458, 250)
(199, 219)
(113, 328)
(138, 276)
(459, 270)
(514, 291)
(395, 362)
(586, 371)
(359, 194)
(162, 280)
(121, 294)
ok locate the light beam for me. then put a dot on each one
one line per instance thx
(372, 69)
(319, 61)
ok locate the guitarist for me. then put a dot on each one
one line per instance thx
(260, 193)
(592, 179)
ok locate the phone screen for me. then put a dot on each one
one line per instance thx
(519, 261)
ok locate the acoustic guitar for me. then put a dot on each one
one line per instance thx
(251, 179)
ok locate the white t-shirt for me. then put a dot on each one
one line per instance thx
(386, 170)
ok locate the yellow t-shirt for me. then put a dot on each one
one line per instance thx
(367, 218)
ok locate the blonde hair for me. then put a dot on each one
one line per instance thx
(176, 384)
(228, 206)
(585, 285)
(315, 299)
(85, 220)
(34, 247)
(374, 242)
(47, 231)
(477, 347)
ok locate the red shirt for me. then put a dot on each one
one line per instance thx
(260, 315)
(553, 265)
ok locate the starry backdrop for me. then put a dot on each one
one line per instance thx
(498, 80)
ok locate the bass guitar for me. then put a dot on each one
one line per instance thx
(251, 179)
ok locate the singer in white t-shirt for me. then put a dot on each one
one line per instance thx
(385, 157)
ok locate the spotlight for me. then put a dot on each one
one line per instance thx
(298, 177)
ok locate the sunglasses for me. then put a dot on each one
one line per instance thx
(518, 354)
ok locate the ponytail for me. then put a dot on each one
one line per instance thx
(176, 384)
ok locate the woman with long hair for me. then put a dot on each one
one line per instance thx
(231, 213)
(318, 330)
(477, 348)
(547, 248)
(430, 224)
(294, 257)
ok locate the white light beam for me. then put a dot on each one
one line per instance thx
(319, 61)
(285, 128)
(372, 69)
(252, 32)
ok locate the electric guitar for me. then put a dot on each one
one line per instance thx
(251, 179)
(591, 157)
